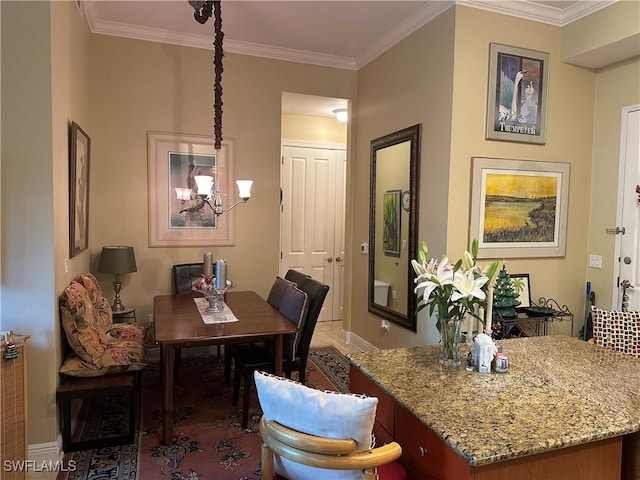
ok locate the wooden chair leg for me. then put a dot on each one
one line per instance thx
(246, 399)
(267, 463)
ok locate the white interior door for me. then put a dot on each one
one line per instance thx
(312, 205)
(628, 243)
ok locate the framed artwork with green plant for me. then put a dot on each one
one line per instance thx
(519, 208)
(522, 286)
(391, 223)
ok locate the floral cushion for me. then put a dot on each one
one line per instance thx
(118, 357)
(101, 306)
(98, 350)
(79, 323)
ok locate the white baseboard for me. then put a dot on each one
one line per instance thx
(360, 343)
(46, 452)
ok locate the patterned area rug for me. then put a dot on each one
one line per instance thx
(208, 441)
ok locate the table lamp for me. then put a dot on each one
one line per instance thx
(117, 260)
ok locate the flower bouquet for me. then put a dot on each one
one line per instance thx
(452, 291)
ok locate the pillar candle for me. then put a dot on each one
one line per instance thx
(221, 274)
(489, 317)
(207, 264)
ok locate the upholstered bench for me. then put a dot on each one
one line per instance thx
(102, 359)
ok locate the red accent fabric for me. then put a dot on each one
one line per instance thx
(392, 471)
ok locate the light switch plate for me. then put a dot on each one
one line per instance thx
(595, 261)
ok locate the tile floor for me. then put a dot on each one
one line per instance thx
(330, 333)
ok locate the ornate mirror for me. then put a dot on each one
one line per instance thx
(393, 225)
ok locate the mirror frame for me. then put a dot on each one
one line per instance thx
(413, 135)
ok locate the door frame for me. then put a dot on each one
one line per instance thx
(624, 126)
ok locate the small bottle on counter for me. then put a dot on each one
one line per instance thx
(502, 363)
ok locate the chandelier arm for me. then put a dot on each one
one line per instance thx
(243, 200)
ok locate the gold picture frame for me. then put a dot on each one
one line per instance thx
(519, 208)
(173, 159)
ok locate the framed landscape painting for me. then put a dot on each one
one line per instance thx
(519, 208)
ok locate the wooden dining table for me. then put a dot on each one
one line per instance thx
(178, 324)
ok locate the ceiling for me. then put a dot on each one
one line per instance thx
(343, 34)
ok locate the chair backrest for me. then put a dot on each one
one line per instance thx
(185, 274)
(295, 276)
(321, 452)
(279, 287)
(316, 292)
(306, 427)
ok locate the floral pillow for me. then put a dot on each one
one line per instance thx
(97, 351)
(79, 323)
(101, 306)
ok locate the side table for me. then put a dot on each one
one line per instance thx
(125, 315)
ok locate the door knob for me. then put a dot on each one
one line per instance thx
(338, 259)
(329, 259)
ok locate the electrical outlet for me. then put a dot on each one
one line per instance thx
(394, 295)
(66, 265)
(385, 325)
(595, 261)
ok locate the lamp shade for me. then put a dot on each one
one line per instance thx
(117, 259)
(244, 188)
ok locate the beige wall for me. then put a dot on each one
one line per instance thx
(409, 84)
(314, 129)
(45, 83)
(167, 88)
(617, 86)
(569, 140)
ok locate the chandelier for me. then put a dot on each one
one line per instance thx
(205, 183)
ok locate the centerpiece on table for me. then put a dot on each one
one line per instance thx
(213, 291)
(452, 291)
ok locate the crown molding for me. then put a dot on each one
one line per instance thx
(539, 12)
(518, 8)
(403, 30)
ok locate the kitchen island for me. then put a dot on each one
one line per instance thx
(565, 409)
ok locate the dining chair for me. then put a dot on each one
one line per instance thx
(248, 358)
(278, 289)
(310, 433)
(184, 276)
(295, 276)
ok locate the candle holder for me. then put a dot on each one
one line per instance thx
(215, 296)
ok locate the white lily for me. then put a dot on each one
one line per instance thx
(467, 286)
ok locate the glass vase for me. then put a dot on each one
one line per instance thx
(450, 342)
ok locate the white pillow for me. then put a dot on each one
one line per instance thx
(316, 412)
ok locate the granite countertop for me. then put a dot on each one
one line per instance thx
(558, 392)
